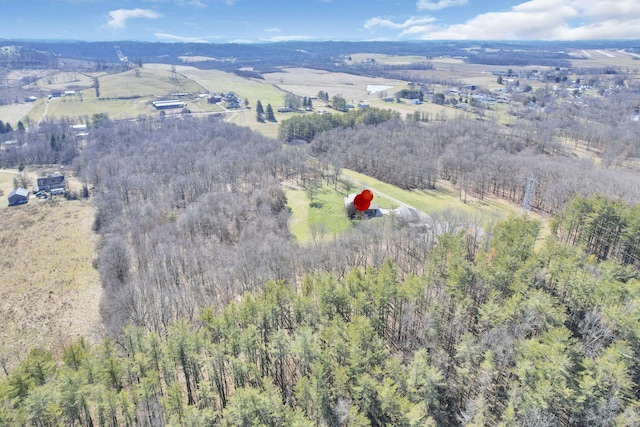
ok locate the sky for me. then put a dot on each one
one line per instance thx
(259, 21)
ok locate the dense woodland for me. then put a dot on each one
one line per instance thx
(217, 317)
(510, 336)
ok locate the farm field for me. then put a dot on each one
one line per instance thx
(443, 198)
(385, 59)
(308, 82)
(12, 113)
(326, 218)
(129, 94)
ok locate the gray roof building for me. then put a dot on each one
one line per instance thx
(18, 196)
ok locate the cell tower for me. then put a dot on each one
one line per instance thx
(526, 201)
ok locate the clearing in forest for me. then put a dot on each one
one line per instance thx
(49, 290)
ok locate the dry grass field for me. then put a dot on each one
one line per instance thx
(308, 82)
(49, 291)
(12, 113)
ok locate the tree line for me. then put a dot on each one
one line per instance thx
(508, 336)
(306, 127)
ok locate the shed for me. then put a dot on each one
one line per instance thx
(19, 196)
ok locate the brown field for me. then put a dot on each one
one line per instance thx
(49, 291)
(61, 81)
(307, 82)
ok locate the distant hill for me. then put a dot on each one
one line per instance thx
(263, 57)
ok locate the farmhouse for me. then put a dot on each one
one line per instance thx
(51, 183)
(19, 196)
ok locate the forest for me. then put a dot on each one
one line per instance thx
(216, 316)
(508, 336)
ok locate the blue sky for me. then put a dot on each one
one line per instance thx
(255, 21)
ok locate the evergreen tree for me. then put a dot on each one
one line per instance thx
(259, 111)
(269, 112)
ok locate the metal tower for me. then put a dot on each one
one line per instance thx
(526, 201)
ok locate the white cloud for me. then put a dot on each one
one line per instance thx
(120, 17)
(437, 5)
(176, 38)
(196, 3)
(411, 22)
(533, 20)
(289, 38)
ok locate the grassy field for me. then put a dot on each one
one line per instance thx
(307, 82)
(12, 113)
(443, 198)
(49, 291)
(325, 219)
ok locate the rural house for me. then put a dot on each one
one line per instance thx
(353, 213)
(50, 183)
(19, 196)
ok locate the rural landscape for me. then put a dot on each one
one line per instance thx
(180, 244)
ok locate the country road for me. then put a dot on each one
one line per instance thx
(46, 110)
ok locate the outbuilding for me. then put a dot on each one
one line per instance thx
(168, 104)
(19, 196)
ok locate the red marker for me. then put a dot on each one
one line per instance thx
(363, 200)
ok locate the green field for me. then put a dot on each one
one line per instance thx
(325, 218)
(443, 198)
